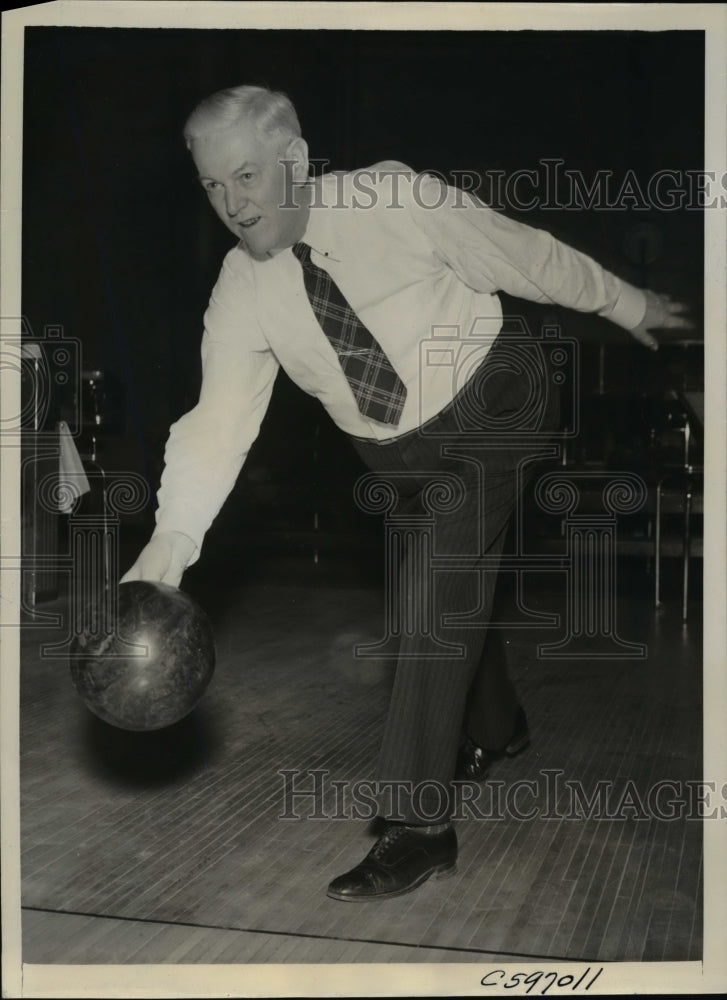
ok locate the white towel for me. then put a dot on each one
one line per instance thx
(72, 479)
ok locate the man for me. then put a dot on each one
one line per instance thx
(341, 281)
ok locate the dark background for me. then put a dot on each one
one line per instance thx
(121, 249)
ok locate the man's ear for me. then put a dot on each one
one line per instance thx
(297, 155)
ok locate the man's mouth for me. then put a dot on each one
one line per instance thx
(250, 222)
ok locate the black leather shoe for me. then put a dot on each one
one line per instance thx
(399, 861)
(473, 761)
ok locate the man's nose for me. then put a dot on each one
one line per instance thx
(234, 201)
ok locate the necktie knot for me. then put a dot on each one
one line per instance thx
(302, 252)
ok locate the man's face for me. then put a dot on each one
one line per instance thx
(241, 171)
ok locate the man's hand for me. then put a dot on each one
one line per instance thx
(163, 560)
(661, 314)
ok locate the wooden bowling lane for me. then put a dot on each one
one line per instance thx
(94, 940)
(176, 839)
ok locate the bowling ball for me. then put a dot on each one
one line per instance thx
(150, 668)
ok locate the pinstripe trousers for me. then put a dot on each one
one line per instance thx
(436, 698)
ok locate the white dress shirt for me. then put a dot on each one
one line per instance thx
(420, 263)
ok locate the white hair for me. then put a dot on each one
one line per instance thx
(271, 112)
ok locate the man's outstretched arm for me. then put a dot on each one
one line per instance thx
(208, 446)
(492, 252)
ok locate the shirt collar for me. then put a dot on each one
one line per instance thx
(318, 232)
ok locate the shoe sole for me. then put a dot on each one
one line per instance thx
(442, 872)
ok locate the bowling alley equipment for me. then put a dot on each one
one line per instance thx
(150, 663)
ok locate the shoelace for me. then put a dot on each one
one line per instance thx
(391, 834)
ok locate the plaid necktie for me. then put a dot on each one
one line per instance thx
(378, 390)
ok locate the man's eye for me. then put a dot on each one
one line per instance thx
(247, 177)
(211, 186)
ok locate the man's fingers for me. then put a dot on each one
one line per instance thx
(679, 323)
(645, 338)
(677, 317)
(149, 566)
(164, 559)
(674, 321)
(663, 314)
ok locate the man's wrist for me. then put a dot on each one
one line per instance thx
(630, 307)
(193, 545)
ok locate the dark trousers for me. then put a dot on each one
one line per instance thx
(436, 699)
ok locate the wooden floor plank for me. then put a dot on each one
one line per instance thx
(184, 827)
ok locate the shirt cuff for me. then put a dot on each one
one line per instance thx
(178, 517)
(629, 308)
